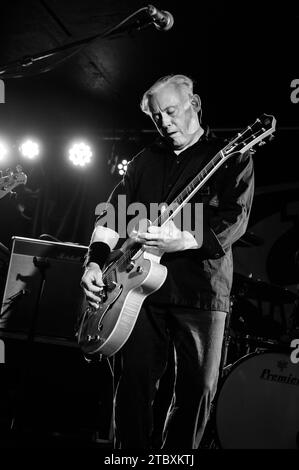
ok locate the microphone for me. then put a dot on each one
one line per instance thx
(163, 20)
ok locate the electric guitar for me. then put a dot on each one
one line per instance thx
(10, 180)
(137, 272)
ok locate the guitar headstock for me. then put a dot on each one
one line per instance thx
(11, 179)
(254, 134)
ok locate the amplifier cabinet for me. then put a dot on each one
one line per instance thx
(42, 292)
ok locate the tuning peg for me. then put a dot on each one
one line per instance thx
(261, 143)
(271, 137)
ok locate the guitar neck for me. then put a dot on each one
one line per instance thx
(11, 180)
(187, 193)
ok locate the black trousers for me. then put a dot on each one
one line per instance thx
(197, 337)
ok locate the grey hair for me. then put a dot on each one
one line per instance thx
(181, 81)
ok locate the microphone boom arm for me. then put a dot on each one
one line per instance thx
(26, 61)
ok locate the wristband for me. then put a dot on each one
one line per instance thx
(97, 253)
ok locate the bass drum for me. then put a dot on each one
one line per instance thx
(258, 403)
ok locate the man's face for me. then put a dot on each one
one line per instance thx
(174, 116)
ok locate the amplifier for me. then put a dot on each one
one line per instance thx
(42, 294)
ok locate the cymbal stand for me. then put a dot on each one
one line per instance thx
(225, 345)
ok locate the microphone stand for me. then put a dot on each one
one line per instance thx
(123, 26)
(42, 264)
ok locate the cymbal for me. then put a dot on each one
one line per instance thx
(257, 289)
(249, 239)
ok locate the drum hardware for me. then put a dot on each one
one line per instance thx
(293, 330)
(253, 343)
(251, 288)
(249, 239)
(251, 326)
(244, 318)
(226, 370)
(226, 343)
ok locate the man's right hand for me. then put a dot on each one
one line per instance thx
(92, 284)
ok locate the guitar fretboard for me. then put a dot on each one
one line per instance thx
(187, 193)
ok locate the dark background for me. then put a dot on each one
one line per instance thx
(243, 61)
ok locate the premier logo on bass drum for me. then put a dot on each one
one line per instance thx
(290, 379)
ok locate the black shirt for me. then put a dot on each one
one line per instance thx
(200, 277)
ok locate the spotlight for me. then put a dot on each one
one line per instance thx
(80, 154)
(122, 167)
(3, 151)
(29, 149)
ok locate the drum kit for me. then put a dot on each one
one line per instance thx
(257, 402)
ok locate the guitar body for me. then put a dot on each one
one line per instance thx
(103, 331)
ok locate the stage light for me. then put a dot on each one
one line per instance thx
(80, 154)
(3, 151)
(122, 167)
(29, 149)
